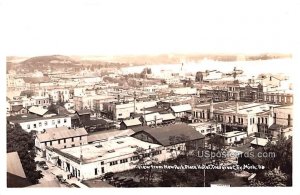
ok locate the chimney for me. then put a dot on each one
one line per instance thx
(211, 109)
(237, 107)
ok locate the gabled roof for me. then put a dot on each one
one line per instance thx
(181, 108)
(132, 122)
(162, 134)
(60, 133)
(168, 116)
(38, 110)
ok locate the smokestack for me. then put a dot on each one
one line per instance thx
(211, 109)
(237, 106)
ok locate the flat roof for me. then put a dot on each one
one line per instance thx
(244, 107)
(233, 133)
(112, 148)
(32, 117)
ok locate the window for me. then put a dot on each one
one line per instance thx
(72, 139)
(102, 163)
(50, 143)
(102, 169)
(266, 120)
(113, 163)
(65, 146)
(58, 121)
(40, 124)
(80, 138)
(65, 140)
(289, 120)
(73, 145)
(123, 161)
(96, 171)
(46, 123)
(53, 122)
(134, 158)
(258, 120)
(58, 141)
(28, 126)
(120, 114)
(65, 120)
(45, 143)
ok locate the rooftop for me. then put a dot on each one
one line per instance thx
(181, 108)
(163, 134)
(132, 122)
(105, 135)
(109, 149)
(60, 133)
(31, 117)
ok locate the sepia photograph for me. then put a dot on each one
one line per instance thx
(149, 94)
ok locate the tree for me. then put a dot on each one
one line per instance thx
(283, 160)
(145, 159)
(273, 177)
(22, 142)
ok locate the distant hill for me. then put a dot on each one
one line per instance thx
(42, 63)
(48, 60)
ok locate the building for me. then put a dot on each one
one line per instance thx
(123, 111)
(152, 119)
(16, 177)
(259, 142)
(233, 137)
(172, 137)
(237, 116)
(60, 137)
(113, 154)
(206, 127)
(129, 124)
(33, 122)
(283, 122)
(181, 110)
(278, 97)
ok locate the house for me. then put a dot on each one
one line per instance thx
(131, 123)
(181, 110)
(61, 137)
(18, 109)
(16, 177)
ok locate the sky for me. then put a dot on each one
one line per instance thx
(116, 27)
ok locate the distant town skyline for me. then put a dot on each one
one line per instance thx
(147, 27)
